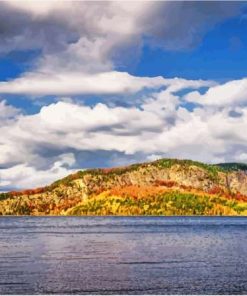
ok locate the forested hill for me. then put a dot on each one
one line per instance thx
(162, 187)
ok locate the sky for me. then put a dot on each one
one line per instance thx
(99, 84)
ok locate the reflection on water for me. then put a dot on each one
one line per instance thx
(118, 255)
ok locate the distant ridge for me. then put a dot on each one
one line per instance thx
(234, 166)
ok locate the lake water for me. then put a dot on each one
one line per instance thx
(123, 255)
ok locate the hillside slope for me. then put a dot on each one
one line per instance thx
(162, 187)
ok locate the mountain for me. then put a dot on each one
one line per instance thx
(162, 187)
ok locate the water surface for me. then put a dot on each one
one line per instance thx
(123, 255)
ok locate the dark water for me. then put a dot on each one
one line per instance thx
(118, 255)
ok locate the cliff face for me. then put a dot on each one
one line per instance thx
(236, 182)
(153, 178)
(182, 175)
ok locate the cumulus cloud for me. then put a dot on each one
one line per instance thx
(75, 83)
(229, 93)
(159, 127)
(181, 25)
(167, 22)
(25, 175)
(71, 34)
(84, 41)
(7, 111)
(242, 157)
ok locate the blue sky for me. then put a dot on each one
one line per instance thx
(92, 84)
(221, 55)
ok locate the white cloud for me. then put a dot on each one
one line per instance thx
(173, 25)
(30, 177)
(229, 93)
(6, 111)
(39, 8)
(74, 83)
(242, 157)
(82, 42)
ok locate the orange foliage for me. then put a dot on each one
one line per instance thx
(215, 190)
(240, 197)
(108, 170)
(220, 191)
(27, 192)
(166, 183)
(15, 193)
(38, 190)
(66, 203)
(136, 191)
(184, 187)
(113, 170)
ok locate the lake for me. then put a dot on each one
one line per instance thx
(123, 255)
